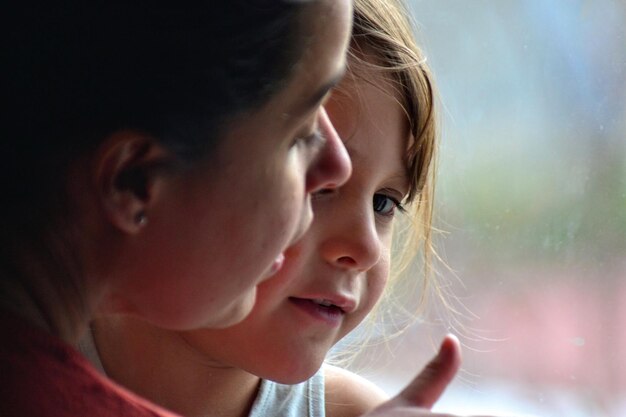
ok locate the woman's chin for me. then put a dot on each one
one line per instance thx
(235, 313)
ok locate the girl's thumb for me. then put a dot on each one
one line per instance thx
(427, 387)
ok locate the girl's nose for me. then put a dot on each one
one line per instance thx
(332, 166)
(354, 243)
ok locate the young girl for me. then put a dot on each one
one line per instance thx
(158, 160)
(331, 279)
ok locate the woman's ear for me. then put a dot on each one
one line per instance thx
(129, 167)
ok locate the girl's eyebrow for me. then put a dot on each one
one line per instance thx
(399, 181)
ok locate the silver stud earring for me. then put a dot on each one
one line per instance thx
(141, 219)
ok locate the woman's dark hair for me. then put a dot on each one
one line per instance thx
(74, 72)
(77, 71)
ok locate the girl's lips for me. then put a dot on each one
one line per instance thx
(331, 314)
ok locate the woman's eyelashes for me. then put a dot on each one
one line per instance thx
(313, 141)
(386, 205)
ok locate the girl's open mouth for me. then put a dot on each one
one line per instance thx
(319, 309)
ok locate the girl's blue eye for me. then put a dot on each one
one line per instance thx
(385, 205)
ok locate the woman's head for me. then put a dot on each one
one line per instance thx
(335, 275)
(166, 153)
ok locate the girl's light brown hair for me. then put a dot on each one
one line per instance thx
(383, 41)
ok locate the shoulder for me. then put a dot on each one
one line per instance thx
(348, 394)
(46, 377)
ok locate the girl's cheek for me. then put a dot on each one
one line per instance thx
(377, 283)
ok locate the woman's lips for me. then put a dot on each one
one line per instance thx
(278, 263)
(329, 314)
(275, 267)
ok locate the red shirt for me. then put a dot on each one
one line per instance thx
(41, 376)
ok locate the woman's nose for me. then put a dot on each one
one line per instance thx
(332, 166)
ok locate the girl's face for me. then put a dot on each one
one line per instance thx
(218, 230)
(333, 276)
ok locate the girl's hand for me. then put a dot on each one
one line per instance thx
(422, 393)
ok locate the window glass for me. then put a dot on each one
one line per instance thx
(531, 202)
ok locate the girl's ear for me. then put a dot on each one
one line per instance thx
(129, 168)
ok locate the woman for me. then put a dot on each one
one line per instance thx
(151, 149)
(332, 277)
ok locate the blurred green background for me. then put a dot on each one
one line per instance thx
(531, 200)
